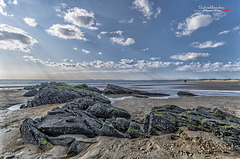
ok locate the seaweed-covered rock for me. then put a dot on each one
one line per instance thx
(121, 124)
(31, 93)
(183, 93)
(114, 89)
(86, 87)
(169, 118)
(135, 130)
(76, 147)
(61, 93)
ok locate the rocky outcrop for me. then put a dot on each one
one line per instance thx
(55, 93)
(183, 93)
(85, 116)
(170, 119)
(31, 93)
(114, 89)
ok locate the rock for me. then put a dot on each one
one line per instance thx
(109, 131)
(63, 141)
(101, 110)
(140, 96)
(182, 93)
(61, 93)
(77, 147)
(135, 131)
(31, 93)
(169, 118)
(114, 89)
(121, 124)
(31, 135)
(86, 87)
(174, 137)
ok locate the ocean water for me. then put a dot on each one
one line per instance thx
(159, 86)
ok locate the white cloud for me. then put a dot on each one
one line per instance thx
(155, 58)
(80, 18)
(119, 32)
(123, 65)
(67, 60)
(210, 67)
(86, 51)
(146, 49)
(143, 6)
(157, 12)
(15, 2)
(224, 32)
(122, 41)
(207, 44)
(30, 21)
(192, 23)
(127, 21)
(99, 53)
(66, 32)
(189, 56)
(75, 48)
(2, 6)
(227, 31)
(103, 32)
(12, 38)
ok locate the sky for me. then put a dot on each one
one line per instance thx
(113, 39)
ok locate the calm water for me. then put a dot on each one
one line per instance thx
(168, 87)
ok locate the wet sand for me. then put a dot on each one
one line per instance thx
(191, 144)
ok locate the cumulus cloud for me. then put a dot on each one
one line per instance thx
(127, 21)
(122, 41)
(192, 23)
(75, 48)
(123, 65)
(210, 67)
(189, 56)
(30, 21)
(12, 38)
(80, 18)
(66, 32)
(228, 31)
(99, 53)
(86, 51)
(207, 44)
(143, 6)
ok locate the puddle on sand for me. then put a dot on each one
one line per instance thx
(14, 107)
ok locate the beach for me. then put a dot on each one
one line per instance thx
(191, 144)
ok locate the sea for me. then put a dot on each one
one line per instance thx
(170, 87)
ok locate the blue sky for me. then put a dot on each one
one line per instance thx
(112, 39)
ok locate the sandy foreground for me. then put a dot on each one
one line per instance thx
(191, 144)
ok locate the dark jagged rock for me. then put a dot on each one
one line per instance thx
(135, 130)
(63, 141)
(82, 116)
(76, 147)
(107, 111)
(114, 89)
(31, 135)
(169, 118)
(55, 93)
(182, 93)
(121, 124)
(86, 87)
(31, 93)
(140, 96)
